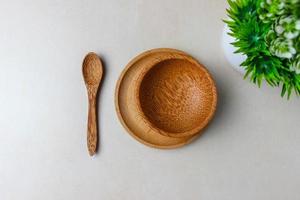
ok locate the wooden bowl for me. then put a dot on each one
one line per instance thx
(164, 98)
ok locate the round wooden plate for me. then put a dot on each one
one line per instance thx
(130, 114)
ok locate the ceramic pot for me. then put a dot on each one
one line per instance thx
(235, 59)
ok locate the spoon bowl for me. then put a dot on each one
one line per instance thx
(92, 70)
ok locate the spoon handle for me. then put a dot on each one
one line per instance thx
(92, 135)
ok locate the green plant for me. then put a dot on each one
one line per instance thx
(268, 33)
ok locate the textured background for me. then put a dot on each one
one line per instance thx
(250, 151)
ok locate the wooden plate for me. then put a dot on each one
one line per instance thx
(131, 107)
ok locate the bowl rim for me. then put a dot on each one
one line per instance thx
(198, 127)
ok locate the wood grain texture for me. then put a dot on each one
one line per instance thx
(92, 72)
(177, 97)
(161, 98)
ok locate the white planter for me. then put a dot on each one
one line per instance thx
(234, 59)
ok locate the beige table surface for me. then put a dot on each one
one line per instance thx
(250, 151)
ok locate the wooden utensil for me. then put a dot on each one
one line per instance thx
(176, 95)
(164, 98)
(92, 71)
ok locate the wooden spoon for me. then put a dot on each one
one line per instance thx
(92, 71)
